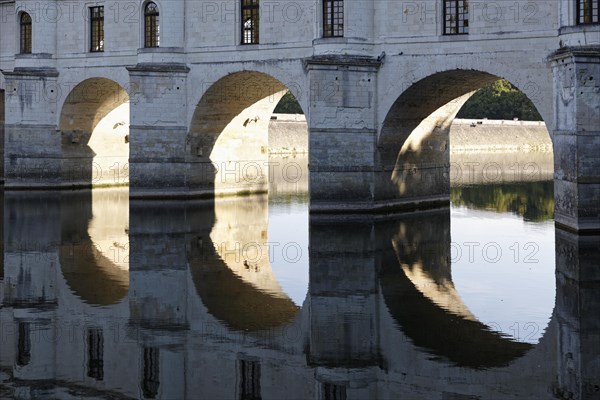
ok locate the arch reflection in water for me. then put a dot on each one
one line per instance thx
(503, 262)
(234, 275)
(421, 297)
(494, 294)
(352, 317)
(94, 251)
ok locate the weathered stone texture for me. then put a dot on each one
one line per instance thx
(370, 97)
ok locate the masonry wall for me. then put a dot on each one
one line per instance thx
(8, 37)
(425, 18)
(211, 27)
(1, 135)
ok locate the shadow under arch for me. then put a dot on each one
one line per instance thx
(413, 144)
(229, 132)
(93, 271)
(428, 311)
(235, 284)
(94, 126)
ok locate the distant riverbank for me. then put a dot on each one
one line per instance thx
(469, 135)
(481, 151)
(287, 135)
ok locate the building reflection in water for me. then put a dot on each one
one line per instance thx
(102, 298)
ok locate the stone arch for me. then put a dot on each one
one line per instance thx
(228, 132)
(413, 143)
(94, 126)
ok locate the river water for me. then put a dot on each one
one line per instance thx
(249, 298)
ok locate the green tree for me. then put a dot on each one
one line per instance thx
(500, 100)
(288, 105)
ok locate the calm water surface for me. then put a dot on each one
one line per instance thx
(249, 298)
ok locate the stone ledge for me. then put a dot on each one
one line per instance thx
(343, 61)
(384, 207)
(160, 67)
(592, 51)
(35, 72)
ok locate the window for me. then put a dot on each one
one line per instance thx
(25, 33)
(95, 354)
(249, 380)
(333, 18)
(151, 377)
(587, 11)
(250, 18)
(97, 29)
(331, 391)
(456, 17)
(151, 25)
(24, 343)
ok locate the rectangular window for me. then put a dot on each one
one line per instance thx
(97, 29)
(95, 354)
(587, 11)
(26, 34)
(151, 25)
(456, 17)
(249, 380)
(330, 391)
(24, 344)
(250, 21)
(151, 374)
(333, 18)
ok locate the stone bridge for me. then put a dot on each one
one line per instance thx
(174, 98)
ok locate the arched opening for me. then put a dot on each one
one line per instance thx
(228, 140)
(94, 249)
(500, 233)
(94, 125)
(415, 143)
(235, 134)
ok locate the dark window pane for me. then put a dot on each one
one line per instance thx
(97, 29)
(24, 344)
(250, 21)
(333, 18)
(587, 11)
(26, 33)
(151, 25)
(95, 340)
(456, 17)
(151, 375)
(333, 392)
(249, 380)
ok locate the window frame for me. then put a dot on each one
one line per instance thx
(455, 6)
(95, 351)
(332, 28)
(150, 383)
(25, 34)
(96, 29)
(24, 343)
(151, 25)
(249, 379)
(250, 13)
(594, 18)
